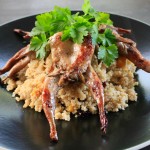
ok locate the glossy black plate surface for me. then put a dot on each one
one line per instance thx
(26, 129)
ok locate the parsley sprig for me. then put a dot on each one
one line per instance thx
(75, 27)
(108, 51)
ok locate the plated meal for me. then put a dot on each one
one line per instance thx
(74, 63)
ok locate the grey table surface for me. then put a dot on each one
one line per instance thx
(15, 9)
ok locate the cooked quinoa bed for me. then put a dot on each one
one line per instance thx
(119, 87)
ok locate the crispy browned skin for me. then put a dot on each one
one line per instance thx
(18, 66)
(118, 32)
(22, 33)
(17, 62)
(70, 62)
(14, 59)
(48, 101)
(70, 59)
(133, 54)
(127, 48)
(95, 85)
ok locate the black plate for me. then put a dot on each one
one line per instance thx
(26, 129)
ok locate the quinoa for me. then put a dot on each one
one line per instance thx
(75, 98)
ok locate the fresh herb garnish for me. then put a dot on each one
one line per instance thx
(38, 43)
(75, 27)
(107, 50)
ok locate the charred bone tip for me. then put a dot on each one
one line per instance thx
(54, 137)
(104, 122)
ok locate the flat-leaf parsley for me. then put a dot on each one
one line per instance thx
(75, 27)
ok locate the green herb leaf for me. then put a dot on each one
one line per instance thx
(88, 9)
(108, 51)
(61, 17)
(74, 27)
(77, 30)
(107, 38)
(108, 54)
(103, 18)
(42, 24)
(110, 36)
(38, 44)
(77, 33)
(94, 34)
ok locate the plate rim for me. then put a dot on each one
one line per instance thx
(34, 15)
(139, 146)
